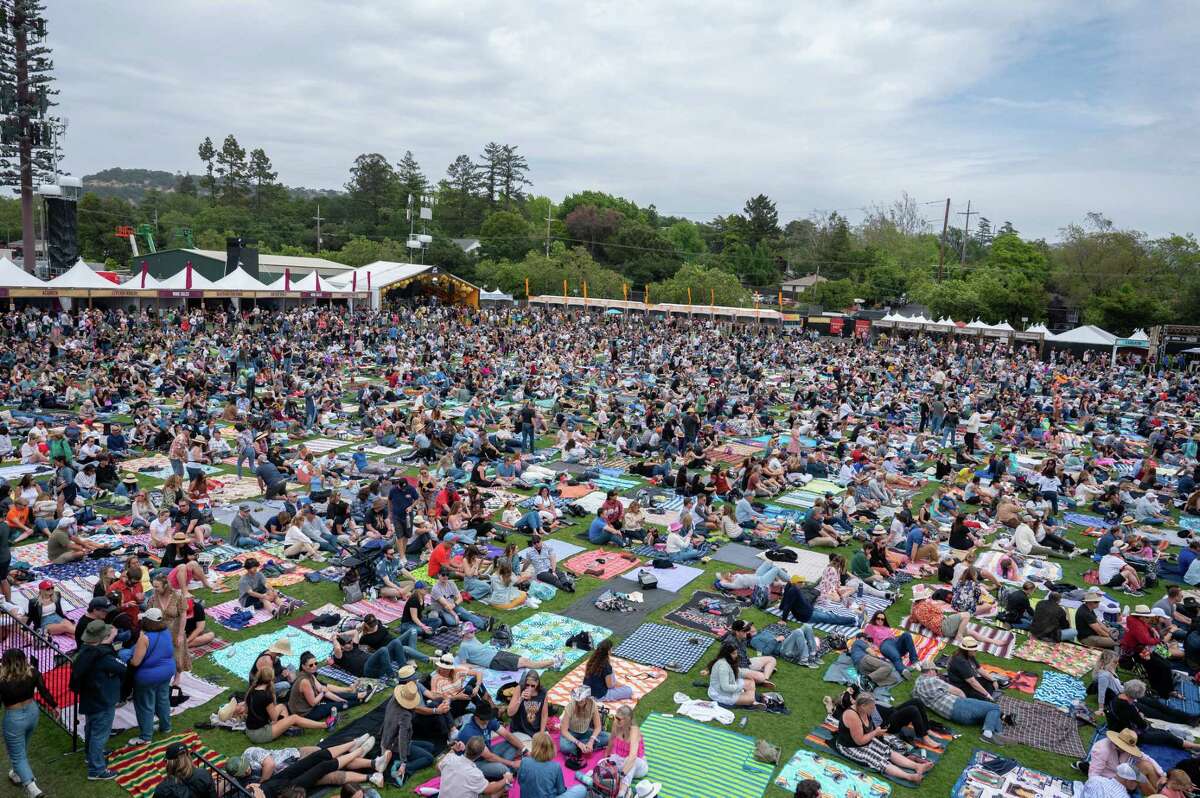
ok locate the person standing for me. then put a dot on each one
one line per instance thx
(154, 657)
(18, 681)
(96, 677)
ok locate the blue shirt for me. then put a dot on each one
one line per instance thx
(915, 538)
(540, 779)
(1186, 557)
(268, 472)
(597, 533)
(472, 729)
(1105, 543)
(476, 653)
(858, 650)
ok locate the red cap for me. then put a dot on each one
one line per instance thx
(45, 584)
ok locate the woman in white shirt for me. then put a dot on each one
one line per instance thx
(296, 544)
(30, 453)
(142, 511)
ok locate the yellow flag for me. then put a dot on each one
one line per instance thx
(689, 296)
(527, 288)
(625, 290)
(564, 290)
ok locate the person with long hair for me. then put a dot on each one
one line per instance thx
(626, 747)
(19, 680)
(46, 613)
(598, 675)
(173, 606)
(154, 659)
(859, 738)
(266, 718)
(726, 685)
(181, 777)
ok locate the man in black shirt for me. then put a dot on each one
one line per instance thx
(1089, 630)
(1050, 621)
(1017, 612)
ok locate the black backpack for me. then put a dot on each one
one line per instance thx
(780, 555)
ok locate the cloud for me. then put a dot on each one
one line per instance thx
(690, 106)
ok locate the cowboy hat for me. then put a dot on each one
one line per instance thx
(282, 646)
(1126, 740)
(647, 789)
(1128, 519)
(179, 537)
(1141, 610)
(969, 643)
(407, 695)
(445, 661)
(1092, 595)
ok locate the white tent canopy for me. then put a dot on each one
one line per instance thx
(13, 276)
(1139, 335)
(142, 282)
(81, 276)
(178, 281)
(1039, 328)
(1003, 326)
(239, 280)
(1087, 335)
(494, 296)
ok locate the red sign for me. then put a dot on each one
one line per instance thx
(835, 325)
(862, 327)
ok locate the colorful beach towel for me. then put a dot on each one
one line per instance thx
(1066, 657)
(978, 782)
(642, 678)
(837, 780)
(997, 642)
(608, 564)
(140, 769)
(1060, 690)
(544, 635)
(677, 749)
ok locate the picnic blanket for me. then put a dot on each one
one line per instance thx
(1060, 690)
(239, 657)
(738, 554)
(664, 647)
(678, 749)
(660, 550)
(809, 564)
(140, 770)
(216, 644)
(543, 635)
(1041, 726)
(319, 445)
(1035, 569)
(1083, 519)
(642, 678)
(222, 613)
(569, 776)
(691, 616)
(821, 738)
(324, 632)
(1017, 680)
(621, 623)
(836, 779)
(671, 580)
(1020, 781)
(608, 563)
(1066, 657)
(230, 489)
(386, 610)
(997, 642)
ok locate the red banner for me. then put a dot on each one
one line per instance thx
(862, 327)
(835, 325)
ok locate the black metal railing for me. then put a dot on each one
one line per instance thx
(55, 666)
(226, 786)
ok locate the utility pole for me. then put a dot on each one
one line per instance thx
(549, 217)
(966, 226)
(319, 220)
(942, 246)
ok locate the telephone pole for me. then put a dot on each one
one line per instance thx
(319, 219)
(966, 226)
(549, 217)
(942, 245)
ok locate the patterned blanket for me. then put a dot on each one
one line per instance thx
(1066, 657)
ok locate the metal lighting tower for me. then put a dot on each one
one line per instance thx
(419, 241)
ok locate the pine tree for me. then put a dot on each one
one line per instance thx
(512, 174)
(983, 232)
(231, 167)
(412, 180)
(207, 153)
(458, 195)
(28, 146)
(1007, 229)
(261, 173)
(489, 168)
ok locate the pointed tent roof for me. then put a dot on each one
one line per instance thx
(1139, 335)
(239, 280)
(178, 281)
(1088, 335)
(81, 276)
(1003, 326)
(1039, 328)
(977, 325)
(315, 282)
(135, 282)
(13, 276)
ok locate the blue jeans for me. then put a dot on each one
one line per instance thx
(460, 615)
(384, 662)
(531, 521)
(420, 756)
(895, 649)
(19, 724)
(972, 710)
(687, 555)
(607, 537)
(95, 738)
(247, 453)
(825, 616)
(150, 700)
(244, 542)
(527, 437)
(800, 644)
(568, 747)
(767, 573)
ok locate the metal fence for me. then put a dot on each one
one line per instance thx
(226, 786)
(54, 664)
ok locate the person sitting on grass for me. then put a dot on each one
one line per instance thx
(253, 591)
(581, 727)
(601, 532)
(726, 685)
(799, 604)
(267, 719)
(859, 739)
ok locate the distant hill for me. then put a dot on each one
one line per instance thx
(131, 184)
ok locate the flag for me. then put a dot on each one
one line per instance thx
(625, 290)
(781, 299)
(527, 288)
(354, 281)
(712, 300)
(647, 293)
(689, 296)
(564, 290)
(145, 266)
(318, 280)
(187, 278)
(287, 279)
(368, 281)
(585, 293)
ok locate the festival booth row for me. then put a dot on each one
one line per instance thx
(1090, 338)
(664, 310)
(80, 282)
(913, 325)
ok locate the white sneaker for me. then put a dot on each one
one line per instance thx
(139, 741)
(33, 791)
(368, 742)
(376, 779)
(14, 778)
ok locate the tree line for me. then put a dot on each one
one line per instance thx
(1114, 277)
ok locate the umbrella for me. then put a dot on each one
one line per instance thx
(612, 312)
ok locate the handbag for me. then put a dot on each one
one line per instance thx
(766, 752)
(647, 580)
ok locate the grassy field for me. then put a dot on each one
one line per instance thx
(61, 774)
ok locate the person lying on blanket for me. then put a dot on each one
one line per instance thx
(936, 615)
(483, 655)
(348, 763)
(946, 700)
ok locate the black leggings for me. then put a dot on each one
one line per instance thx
(910, 713)
(305, 772)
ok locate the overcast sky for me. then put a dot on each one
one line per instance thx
(1037, 112)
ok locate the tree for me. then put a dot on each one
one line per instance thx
(983, 231)
(1007, 229)
(546, 274)
(231, 168)
(489, 168)
(708, 286)
(685, 237)
(645, 256)
(412, 180)
(207, 154)
(512, 175)
(261, 173)
(458, 209)
(836, 295)
(373, 190)
(591, 225)
(505, 236)
(1125, 308)
(186, 186)
(599, 199)
(762, 219)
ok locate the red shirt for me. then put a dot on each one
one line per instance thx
(439, 557)
(129, 593)
(1138, 635)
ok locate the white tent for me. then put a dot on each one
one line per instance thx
(81, 276)
(1005, 326)
(142, 282)
(13, 276)
(1039, 328)
(179, 281)
(1087, 335)
(314, 282)
(1139, 335)
(978, 325)
(239, 280)
(494, 296)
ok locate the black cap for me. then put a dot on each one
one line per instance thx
(176, 749)
(100, 603)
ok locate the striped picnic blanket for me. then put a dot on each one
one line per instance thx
(997, 642)
(140, 769)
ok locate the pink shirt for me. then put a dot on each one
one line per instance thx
(877, 634)
(621, 747)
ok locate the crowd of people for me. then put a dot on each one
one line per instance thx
(944, 454)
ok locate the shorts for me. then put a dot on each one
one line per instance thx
(263, 734)
(1117, 580)
(251, 602)
(50, 619)
(950, 625)
(4, 568)
(505, 661)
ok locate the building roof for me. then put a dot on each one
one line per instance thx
(81, 276)
(807, 281)
(279, 261)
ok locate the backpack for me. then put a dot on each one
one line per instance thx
(781, 555)
(760, 596)
(606, 780)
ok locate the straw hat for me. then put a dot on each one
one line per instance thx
(1092, 595)
(406, 695)
(228, 710)
(1141, 610)
(179, 537)
(1128, 519)
(406, 673)
(1126, 740)
(282, 646)
(445, 661)
(969, 643)
(647, 789)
